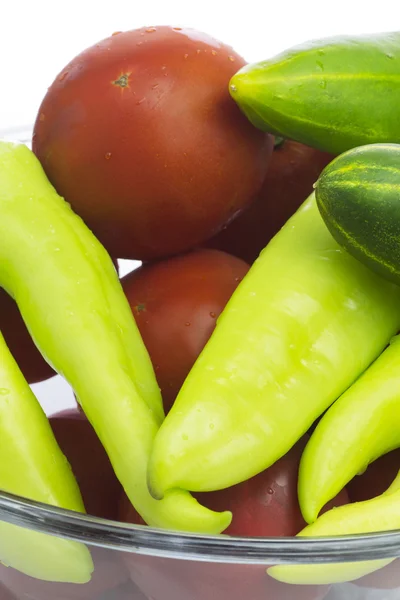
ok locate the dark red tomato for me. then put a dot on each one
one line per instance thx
(20, 343)
(171, 579)
(109, 572)
(292, 171)
(376, 479)
(139, 133)
(175, 303)
(264, 506)
(267, 504)
(99, 486)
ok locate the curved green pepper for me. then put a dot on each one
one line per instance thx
(363, 424)
(378, 514)
(304, 323)
(69, 295)
(32, 465)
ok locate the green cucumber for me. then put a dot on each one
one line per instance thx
(358, 196)
(333, 94)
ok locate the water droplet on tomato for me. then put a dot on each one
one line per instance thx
(63, 76)
(140, 101)
(185, 55)
(214, 52)
(116, 33)
(107, 155)
(270, 491)
(151, 29)
(139, 43)
(177, 28)
(187, 324)
(212, 315)
(231, 58)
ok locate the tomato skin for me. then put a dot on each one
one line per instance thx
(90, 464)
(267, 505)
(139, 133)
(293, 169)
(176, 303)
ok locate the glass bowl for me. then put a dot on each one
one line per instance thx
(134, 562)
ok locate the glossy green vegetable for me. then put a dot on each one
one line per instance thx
(32, 465)
(359, 200)
(332, 94)
(361, 426)
(303, 324)
(379, 514)
(69, 295)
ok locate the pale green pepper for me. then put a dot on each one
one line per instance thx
(378, 514)
(32, 465)
(363, 424)
(72, 302)
(304, 323)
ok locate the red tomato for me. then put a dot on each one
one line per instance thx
(77, 439)
(376, 479)
(109, 573)
(176, 303)
(267, 504)
(139, 133)
(172, 579)
(293, 169)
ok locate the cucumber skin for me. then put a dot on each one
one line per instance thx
(332, 94)
(358, 196)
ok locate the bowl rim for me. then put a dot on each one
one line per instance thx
(141, 539)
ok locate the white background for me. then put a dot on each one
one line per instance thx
(38, 38)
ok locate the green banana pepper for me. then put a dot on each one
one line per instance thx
(32, 465)
(72, 302)
(304, 323)
(362, 425)
(378, 514)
